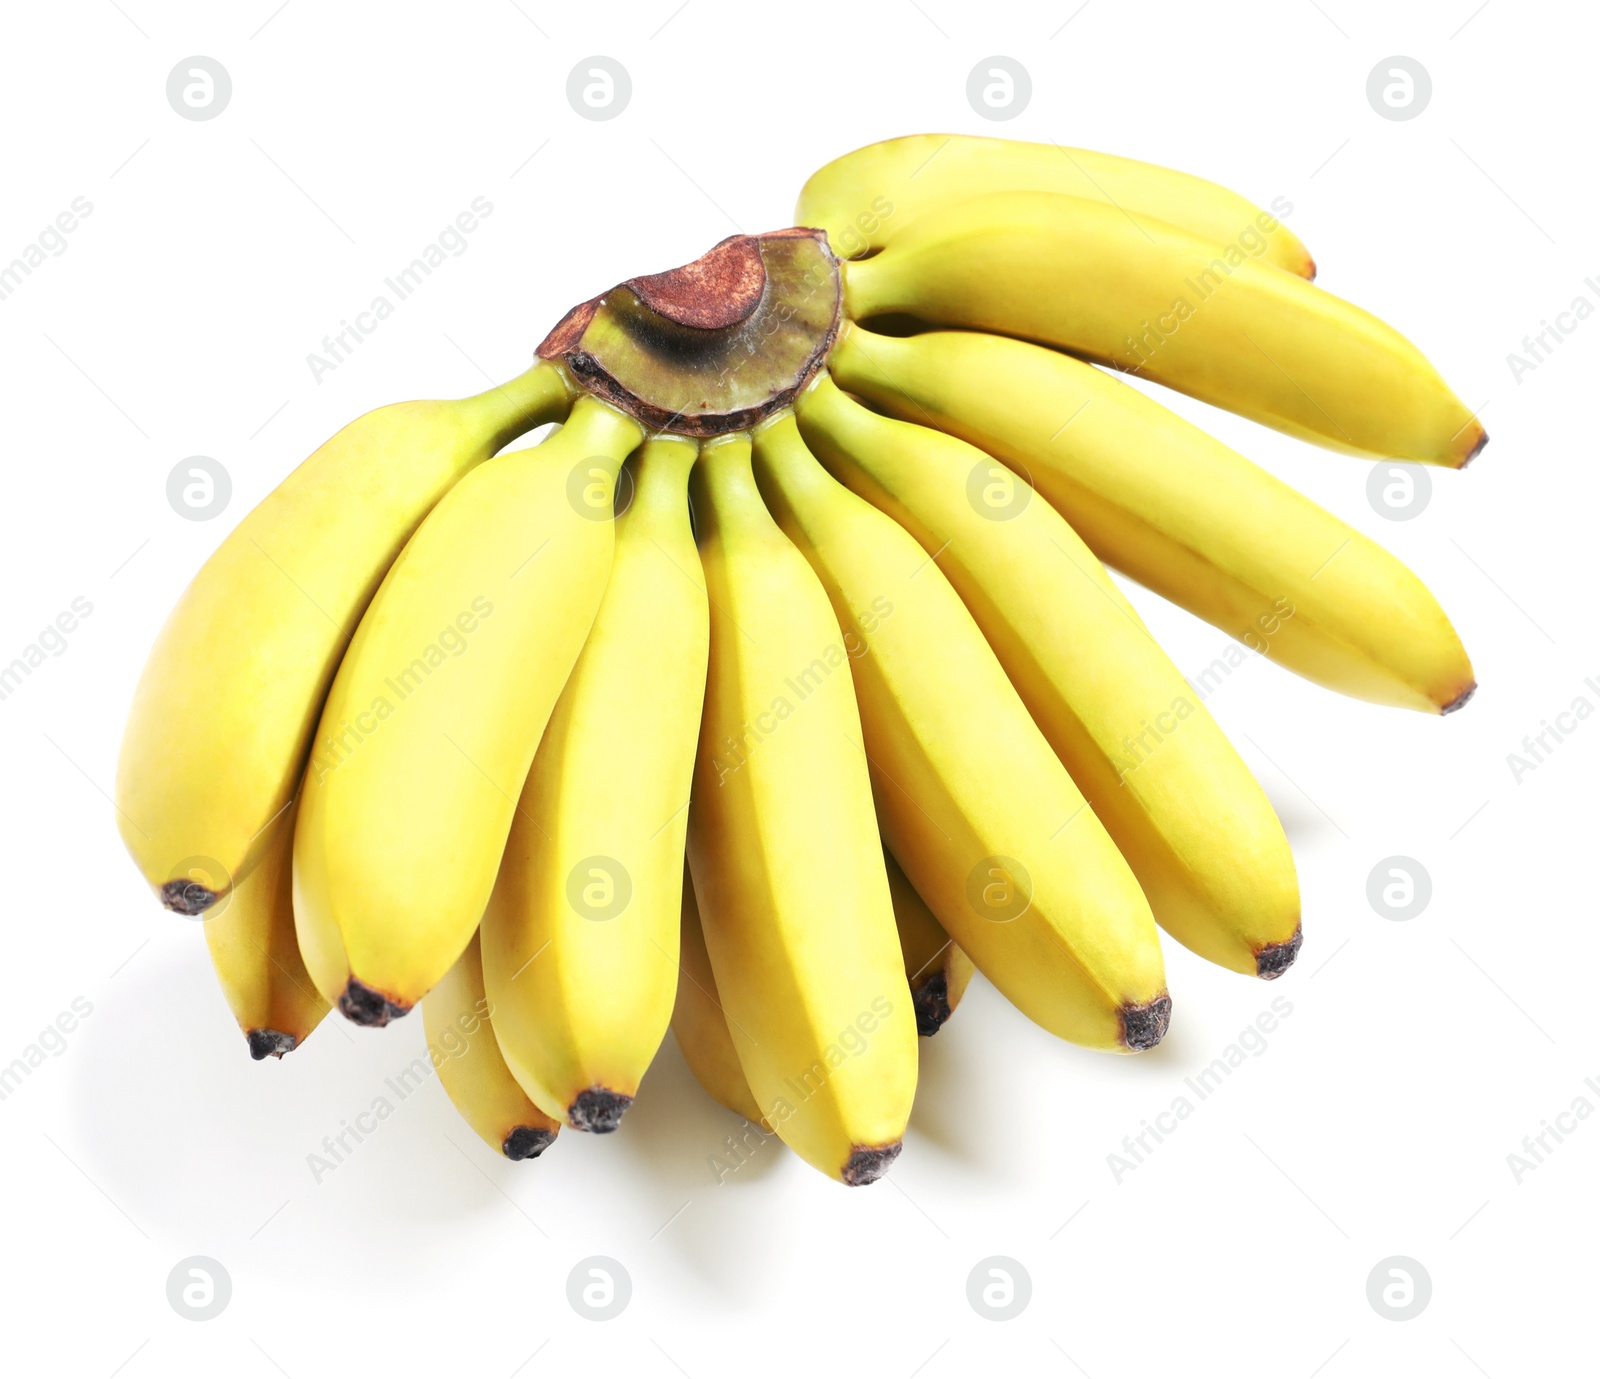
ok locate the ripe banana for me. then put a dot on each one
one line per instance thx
(229, 698)
(457, 1018)
(972, 801)
(438, 708)
(784, 850)
(580, 940)
(936, 970)
(1156, 769)
(1180, 512)
(699, 1024)
(1149, 298)
(867, 197)
(251, 937)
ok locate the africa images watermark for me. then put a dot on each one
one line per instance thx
(1537, 1148)
(738, 1151)
(1538, 747)
(732, 753)
(452, 1041)
(451, 242)
(51, 641)
(1257, 637)
(337, 745)
(51, 1043)
(1539, 347)
(1250, 243)
(50, 243)
(851, 1042)
(1251, 1042)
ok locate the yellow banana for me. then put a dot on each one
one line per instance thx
(1149, 298)
(438, 708)
(251, 937)
(867, 197)
(1181, 806)
(974, 804)
(224, 712)
(784, 850)
(698, 1022)
(580, 940)
(457, 1018)
(1180, 512)
(936, 970)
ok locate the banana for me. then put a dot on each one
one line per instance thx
(251, 937)
(936, 970)
(698, 1022)
(784, 850)
(437, 709)
(867, 197)
(1180, 512)
(1149, 298)
(226, 706)
(580, 939)
(972, 801)
(457, 1017)
(1181, 806)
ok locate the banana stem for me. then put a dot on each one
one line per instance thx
(541, 394)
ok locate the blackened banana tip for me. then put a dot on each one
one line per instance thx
(931, 1002)
(1275, 959)
(1460, 701)
(527, 1142)
(187, 897)
(360, 1004)
(1471, 455)
(597, 1110)
(269, 1043)
(1143, 1027)
(868, 1165)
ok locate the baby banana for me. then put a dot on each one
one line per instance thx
(936, 970)
(1156, 769)
(458, 1020)
(223, 716)
(437, 710)
(784, 850)
(1147, 297)
(250, 933)
(974, 804)
(867, 197)
(580, 940)
(1183, 514)
(699, 1024)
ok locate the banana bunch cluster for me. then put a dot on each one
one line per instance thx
(784, 682)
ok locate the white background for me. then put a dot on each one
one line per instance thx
(1378, 1119)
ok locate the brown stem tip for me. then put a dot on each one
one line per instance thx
(597, 1110)
(931, 1002)
(187, 897)
(1143, 1027)
(868, 1165)
(527, 1142)
(1460, 701)
(1275, 959)
(269, 1043)
(360, 1003)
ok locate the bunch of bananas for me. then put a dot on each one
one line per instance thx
(783, 683)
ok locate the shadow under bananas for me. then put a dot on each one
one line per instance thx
(980, 1071)
(193, 1142)
(333, 1169)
